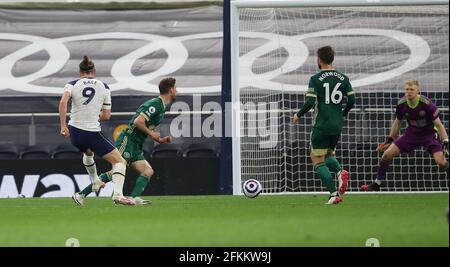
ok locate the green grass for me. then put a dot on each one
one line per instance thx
(294, 220)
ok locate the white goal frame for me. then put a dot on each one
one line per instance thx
(235, 5)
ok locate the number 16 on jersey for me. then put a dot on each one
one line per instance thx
(336, 95)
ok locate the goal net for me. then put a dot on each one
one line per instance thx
(378, 47)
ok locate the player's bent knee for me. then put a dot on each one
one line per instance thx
(122, 161)
(148, 172)
(118, 158)
(114, 157)
(317, 160)
(443, 165)
(387, 156)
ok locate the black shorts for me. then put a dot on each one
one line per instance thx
(94, 141)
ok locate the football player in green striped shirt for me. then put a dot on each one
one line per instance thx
(130, 141)
(326, 91)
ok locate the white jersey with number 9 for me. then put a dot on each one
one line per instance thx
(89, 96)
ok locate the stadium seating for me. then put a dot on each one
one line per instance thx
(66, 151)
(35, 152)
(201, 150)
(166, 151)
(9, 152)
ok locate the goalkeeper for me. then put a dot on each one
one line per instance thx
(130, 141)
(422, 116)
(326, 91)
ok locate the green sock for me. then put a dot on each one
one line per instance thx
(325, 176)
(333, 165)
(139, 187)
(103, 177)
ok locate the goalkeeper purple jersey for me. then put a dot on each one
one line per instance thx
(420, 117)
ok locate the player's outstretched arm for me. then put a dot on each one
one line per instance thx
(395, 129)
(442, 133)
(166, 140)
(139, 122)
(64, 131)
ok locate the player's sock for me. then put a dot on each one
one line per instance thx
(104, 177)
(118, 178)
(382, 169)
(87, 190)
(139, 187)
(333, 164)
(90, 166)
(325, 176)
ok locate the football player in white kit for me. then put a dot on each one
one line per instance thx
(91, 102)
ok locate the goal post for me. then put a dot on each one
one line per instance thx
(379, 44)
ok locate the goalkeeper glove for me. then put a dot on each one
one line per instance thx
(386, 144)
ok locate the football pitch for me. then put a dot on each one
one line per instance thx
(228, 221)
